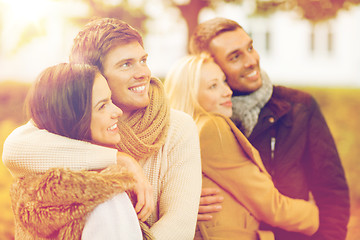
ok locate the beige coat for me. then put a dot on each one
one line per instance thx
(231, 163)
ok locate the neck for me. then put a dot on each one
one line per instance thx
(239, 93)
(126, 115)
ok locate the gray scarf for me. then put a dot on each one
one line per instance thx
(246, 109)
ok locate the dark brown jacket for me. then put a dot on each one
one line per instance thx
(304, 159)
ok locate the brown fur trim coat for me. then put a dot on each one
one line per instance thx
(54, 205)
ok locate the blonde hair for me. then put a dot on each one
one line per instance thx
(182, 84)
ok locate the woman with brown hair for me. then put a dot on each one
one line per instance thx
(62, 202)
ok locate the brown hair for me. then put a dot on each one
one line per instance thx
(206, 31)
(98, 37)
(60, 101)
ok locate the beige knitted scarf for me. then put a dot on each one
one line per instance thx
(145, 131)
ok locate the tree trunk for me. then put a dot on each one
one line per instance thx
(190, 13)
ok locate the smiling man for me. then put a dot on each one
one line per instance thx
(162, 140)
(285, 125)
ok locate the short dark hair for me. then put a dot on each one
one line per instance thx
(98, 37)
(206, 31)
(60, 100)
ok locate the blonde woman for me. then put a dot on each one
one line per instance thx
(197, 86)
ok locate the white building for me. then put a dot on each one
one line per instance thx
(293, 51)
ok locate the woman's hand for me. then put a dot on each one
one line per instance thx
(142, 190)
(209, 203)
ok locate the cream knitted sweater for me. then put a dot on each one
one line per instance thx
(174, 171)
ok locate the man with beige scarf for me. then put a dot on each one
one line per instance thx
(162, 140)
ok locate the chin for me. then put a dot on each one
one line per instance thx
(144, 103)
(228, 115)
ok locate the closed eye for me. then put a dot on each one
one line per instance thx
(102, 106)
(213, 86)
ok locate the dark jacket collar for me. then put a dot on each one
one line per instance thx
(273, 111)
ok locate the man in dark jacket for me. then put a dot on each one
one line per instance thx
(285, 125)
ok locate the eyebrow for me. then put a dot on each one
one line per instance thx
(237, 50)
(232, 53)
(129, 60)
(123, 61)
(101, 101)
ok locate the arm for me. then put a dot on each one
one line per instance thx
(225, 161)
(327, 180)
(31, 150)
(40, 208)
(180, 184)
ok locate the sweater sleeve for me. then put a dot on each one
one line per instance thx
(226, 163)
(181, 183)
(48, 203)
(31, 150)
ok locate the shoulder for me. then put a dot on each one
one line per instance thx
(211, 121)
(24, 129)
(212, 125)
(24, 133)
(292, 105)
(293, 96)
(181, 128)
(180, 120)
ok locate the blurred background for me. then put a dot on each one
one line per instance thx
(311, 45)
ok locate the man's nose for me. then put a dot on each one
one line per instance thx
(141, 71)
(250, 60)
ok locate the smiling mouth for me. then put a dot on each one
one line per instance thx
(138, 89)
(252, 74)
(227, 104)
(113, 127)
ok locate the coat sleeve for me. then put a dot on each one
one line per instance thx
(327, 180)
(46, 203)
(226, 163)
(180, 184)
(31, 150)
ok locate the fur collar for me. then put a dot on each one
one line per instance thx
(54, 205)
